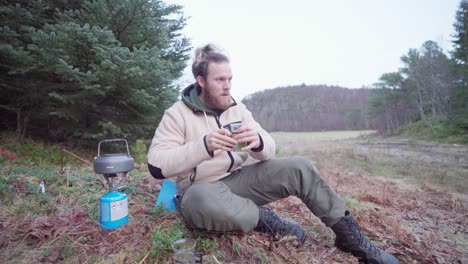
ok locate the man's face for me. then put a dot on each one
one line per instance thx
(217, 86)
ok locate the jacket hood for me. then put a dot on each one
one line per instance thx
(191, 99)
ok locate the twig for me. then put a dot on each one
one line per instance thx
(215, 259)
(145, 258)
(86, 245)
(82, 232)
(78, 157)
(62, 169)
(61, 165)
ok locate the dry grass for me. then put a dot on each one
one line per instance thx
(443, 166)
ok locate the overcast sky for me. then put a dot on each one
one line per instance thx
(333, 42)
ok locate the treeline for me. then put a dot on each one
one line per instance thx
(311, 108)
(431, 87)
(86, 70)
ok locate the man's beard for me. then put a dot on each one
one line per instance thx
(216, 102)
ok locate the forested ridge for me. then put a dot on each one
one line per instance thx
(311, 108)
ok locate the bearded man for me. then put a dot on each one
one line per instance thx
(195, 145)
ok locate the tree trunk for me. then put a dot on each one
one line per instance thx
(22, 120)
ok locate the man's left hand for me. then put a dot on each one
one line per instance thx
(247, 135)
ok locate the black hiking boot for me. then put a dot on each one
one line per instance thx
(269, 222)
(350, 239)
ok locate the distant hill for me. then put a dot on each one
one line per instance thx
(311, 108)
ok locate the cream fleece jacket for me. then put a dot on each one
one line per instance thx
(178, 148)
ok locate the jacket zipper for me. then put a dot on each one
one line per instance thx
(228, 152)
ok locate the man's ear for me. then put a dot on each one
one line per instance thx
(201, 81)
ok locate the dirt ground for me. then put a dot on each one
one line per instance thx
(418, 224)
(417, 221)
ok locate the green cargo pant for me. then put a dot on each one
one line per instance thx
(231, 204)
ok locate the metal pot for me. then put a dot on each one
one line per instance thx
(113, 163)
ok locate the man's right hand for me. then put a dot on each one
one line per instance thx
(220, 139)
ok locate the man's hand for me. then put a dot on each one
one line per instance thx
(220, 139)
(247, 135)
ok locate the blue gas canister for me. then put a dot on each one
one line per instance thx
(113, 210)
(113, 206)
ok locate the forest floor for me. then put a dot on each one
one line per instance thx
(410, 197)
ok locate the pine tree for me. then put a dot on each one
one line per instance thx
(23, 84)
(390, 102)
(90, 69)
(427, 75)
(459, 92)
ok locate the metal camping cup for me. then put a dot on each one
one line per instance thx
(233, 127)
(184, 252)
(188, 257)
(184, 245)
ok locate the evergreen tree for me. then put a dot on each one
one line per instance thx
(23, 84)
(389, 103)
(427, 74)
(90, 69)
(460, 52)
(459, 92)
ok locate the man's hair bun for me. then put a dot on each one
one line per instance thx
(203, 56)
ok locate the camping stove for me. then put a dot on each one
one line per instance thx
(113, 206)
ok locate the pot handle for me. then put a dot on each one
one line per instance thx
(112, 140)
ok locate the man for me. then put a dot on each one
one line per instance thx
(194, 144)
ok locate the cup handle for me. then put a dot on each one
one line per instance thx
(198, 257)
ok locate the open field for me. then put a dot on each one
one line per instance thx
(410, 197)
(297, 137)
(441, 165)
